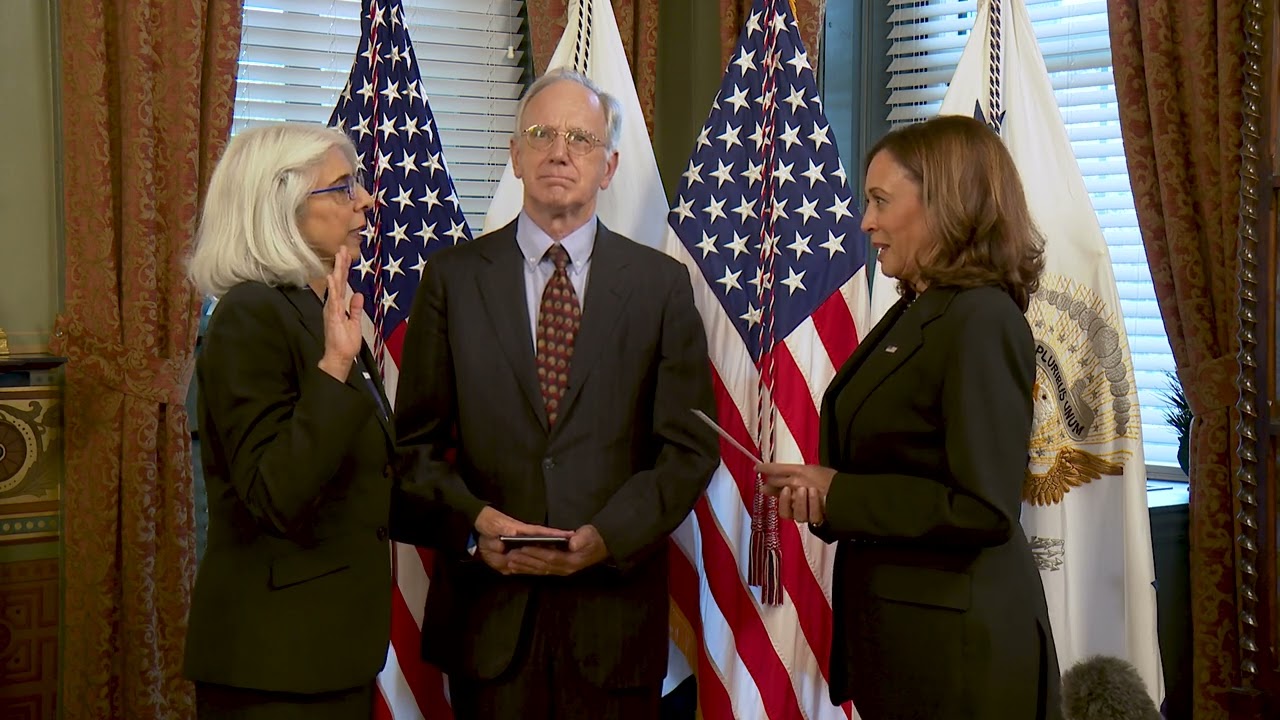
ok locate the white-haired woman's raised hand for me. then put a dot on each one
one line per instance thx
(341, 320)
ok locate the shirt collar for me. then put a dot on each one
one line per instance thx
(534, 243)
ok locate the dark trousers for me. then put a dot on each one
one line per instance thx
(543, 683)
(220, 702)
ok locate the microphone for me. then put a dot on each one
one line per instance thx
(1105, 688)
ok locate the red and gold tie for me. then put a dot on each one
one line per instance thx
(558, 319)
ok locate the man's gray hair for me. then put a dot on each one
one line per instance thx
(612, 108)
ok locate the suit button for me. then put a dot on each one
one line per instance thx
(548, 464)
(382, 533)
(388, 471)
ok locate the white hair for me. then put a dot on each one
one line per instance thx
(612, 108)
(249, 225)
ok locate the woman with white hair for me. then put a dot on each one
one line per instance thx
(290, 613)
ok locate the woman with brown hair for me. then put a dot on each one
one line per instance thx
(939, 610)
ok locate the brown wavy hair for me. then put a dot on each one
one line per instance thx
(975, 207)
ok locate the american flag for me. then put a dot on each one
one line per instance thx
(384, 110)
(766, 221)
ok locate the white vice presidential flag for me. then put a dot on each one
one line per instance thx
(635, 204)
(1086, 507)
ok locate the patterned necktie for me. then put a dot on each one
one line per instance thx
(559, 316)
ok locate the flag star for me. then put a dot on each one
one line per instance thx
(779, 22)
(814, 173)
(378, 18)
(433, 163)
(403, 198)
(840, 173)
(796, 100)
(780, 208)
(346, 92)
(694, 174)
(395, 17)
(794, 281)
(393, 268)
(783, 174)
(365, 267)
(761, 281)
(370, 54)
(754, 173)
(391, 92)
(841, 208)
(730, 136)
(738, 245)
(384, 163)
(426, 233)
(378, 199)
(746, 61)
(801, 246)
(389, 301)
(789, 135)
(758, 137)
(807, 209)
(398, 234)
(458, 231)
(819, 136)
(714, 209)
(432, 199)
(730, 280)
(408, 163)
(419, 266)
(834, 244)
(708, 244)
(753, 24)
(738, 99)
(396, 57)
(702, 138)
(366, 90)
(411, 91)
(367, 233)
(769, 248)
(410, 127)
(751, 316)
(362, 126)
(817, 101)
(430, 129)
(773, 61)
(745, 209)
(388, 127)
(723, 173)
(683, 209)
(453, 200)
(766, 100)
(800, 61)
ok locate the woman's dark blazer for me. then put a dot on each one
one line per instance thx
(294, 590)
(939, 610)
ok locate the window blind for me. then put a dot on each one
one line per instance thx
(296, 55)
(926, 38)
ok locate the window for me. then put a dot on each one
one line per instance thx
(296, 55)
(926, 38)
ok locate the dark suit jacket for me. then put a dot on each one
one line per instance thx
(938, 607)
(626, 454)
(294, 590)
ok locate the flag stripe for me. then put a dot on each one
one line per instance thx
(424, 681)
(738, 606)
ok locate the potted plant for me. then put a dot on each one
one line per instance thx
(1179, 418)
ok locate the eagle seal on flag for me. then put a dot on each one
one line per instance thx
(1084, 400)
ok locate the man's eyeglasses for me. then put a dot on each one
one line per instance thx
(579, 142)
(347, 186)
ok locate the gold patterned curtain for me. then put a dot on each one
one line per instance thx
(1179, 78)
(638, 25)
(148, 88)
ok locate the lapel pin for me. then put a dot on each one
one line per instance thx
(891, 349)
